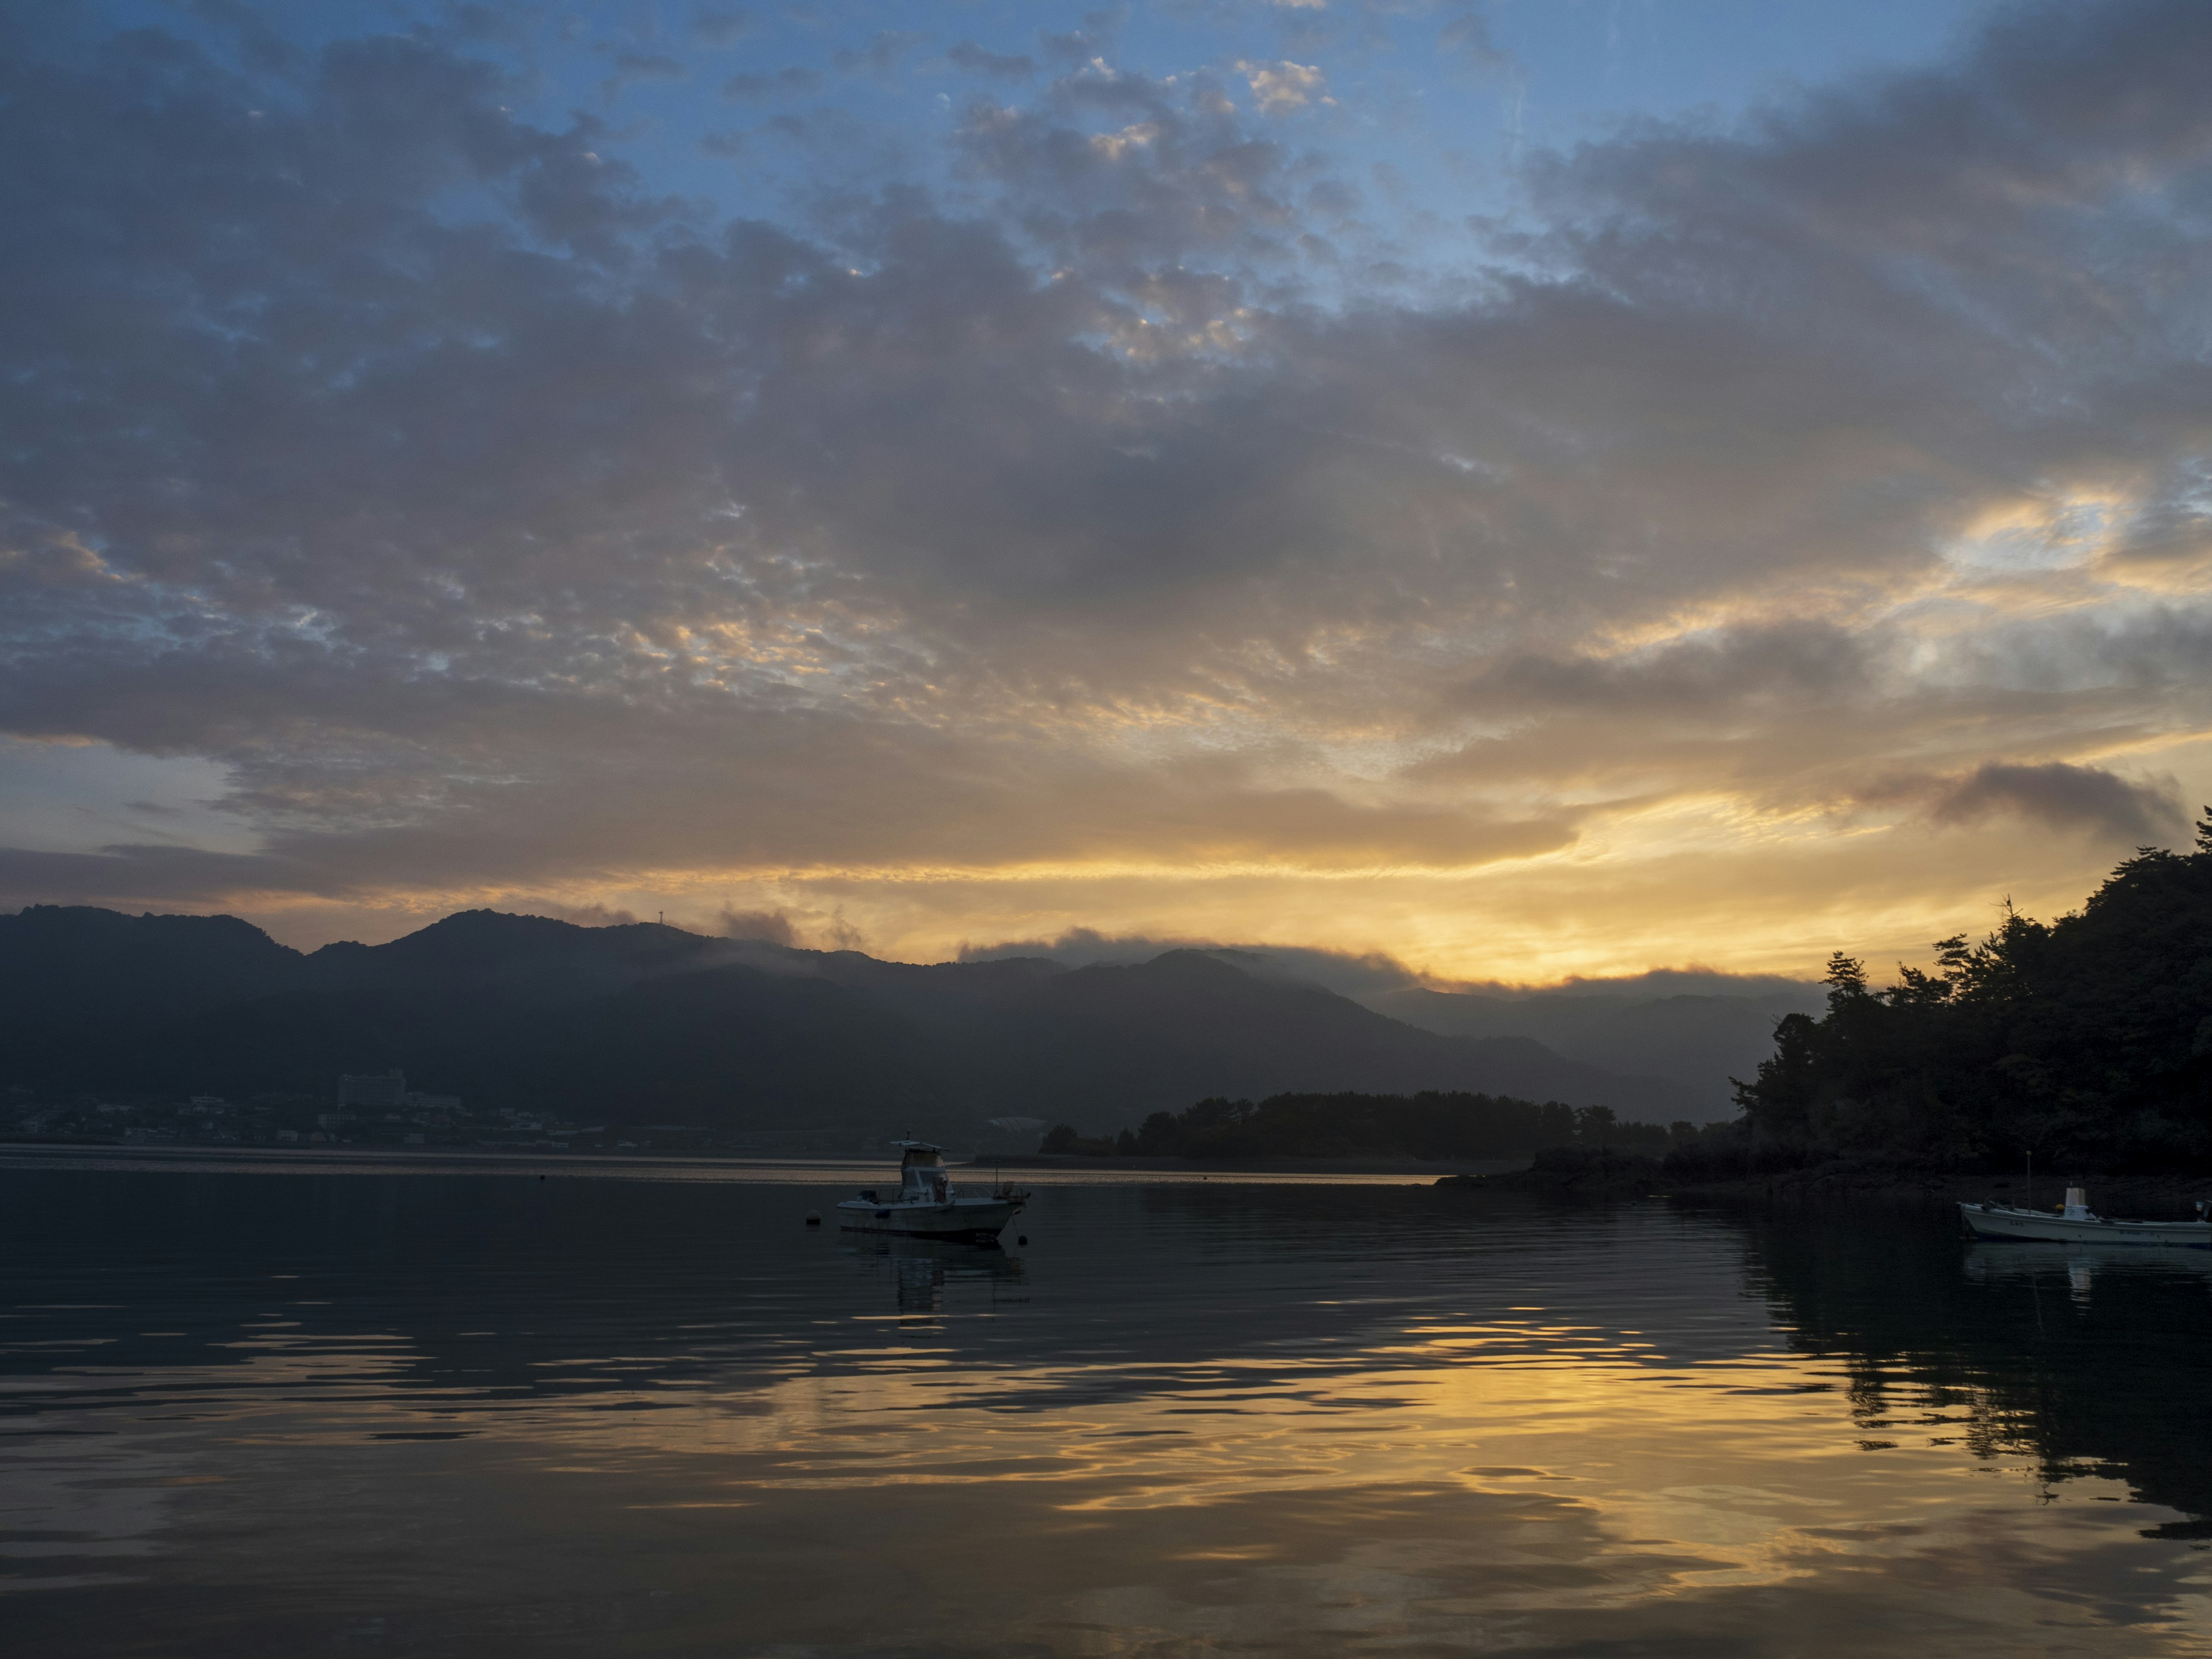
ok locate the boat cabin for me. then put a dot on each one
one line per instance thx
(922, 1174)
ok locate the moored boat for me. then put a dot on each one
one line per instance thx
(926, 1204)
(2074, 1222)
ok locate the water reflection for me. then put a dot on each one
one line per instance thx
(2082, 1359)
(1987, 1262)
(486, 1414)
(921, 1268)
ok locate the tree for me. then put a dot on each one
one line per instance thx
(1845, 979)
(2079, 1038)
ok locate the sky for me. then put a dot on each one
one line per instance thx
(1525, 491)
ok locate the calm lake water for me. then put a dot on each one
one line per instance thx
(277, 1409)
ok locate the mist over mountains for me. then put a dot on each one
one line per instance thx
(1693, 1026)
(1698, 1040)
(641, 1023)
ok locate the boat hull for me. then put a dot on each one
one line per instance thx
(2040, 1227)
(973, 1220)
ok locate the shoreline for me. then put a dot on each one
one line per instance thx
(2151, 1196)
(28, 1153)
(1614, 1180)
(1444, 1167)
(218, 1151)
(2161, 1196)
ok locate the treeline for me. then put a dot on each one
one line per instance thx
(2086, 1042)
(1428, 1126)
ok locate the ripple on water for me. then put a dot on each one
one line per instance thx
(474, 1412)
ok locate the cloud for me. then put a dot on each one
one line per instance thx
(792, 81)
(1465, 33)
(1146, 187)
(584, 915)
(631, 68)
(717, 28)
(772, 926)
(1093, 43)
(1790, 662)
(1691, 980)
(2062, 797)
(1281, 88)
(1345, 972)
(886, 49)
(1064, 540)
(967, 55)
(1357, 973)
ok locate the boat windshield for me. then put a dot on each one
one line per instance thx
(922, 1172)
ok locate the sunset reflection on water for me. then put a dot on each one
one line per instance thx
(480, 1412)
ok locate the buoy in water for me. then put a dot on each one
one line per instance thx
(813, 1218)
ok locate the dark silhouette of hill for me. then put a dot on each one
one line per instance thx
(1188, 1024)
(1700, 1041)
(72, 975)
(1430, 1125)
(645, 1023)
(2086, 1040)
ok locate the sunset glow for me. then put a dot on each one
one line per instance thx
(1440, 481)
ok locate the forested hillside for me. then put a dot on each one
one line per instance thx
(2088, 1040)
(1430, 1125)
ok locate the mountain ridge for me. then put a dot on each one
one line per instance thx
(1699, 1040)
(643, 1022)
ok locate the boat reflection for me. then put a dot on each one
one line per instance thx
(1934, 1331)
(921, 1269)
(1303, 1421)
(2081, 1266)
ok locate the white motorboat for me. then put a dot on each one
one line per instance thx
(926, 1207)
(2074, 1222)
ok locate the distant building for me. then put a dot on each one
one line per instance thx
(387, 1091)
(420, 1102)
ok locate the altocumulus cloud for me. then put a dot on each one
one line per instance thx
(507, 522)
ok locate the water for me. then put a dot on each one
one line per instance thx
(295, 1409)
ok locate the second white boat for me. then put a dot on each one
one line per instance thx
(2074, 1222)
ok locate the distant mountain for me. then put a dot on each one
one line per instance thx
(645, 1023)
(1697, 1041)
